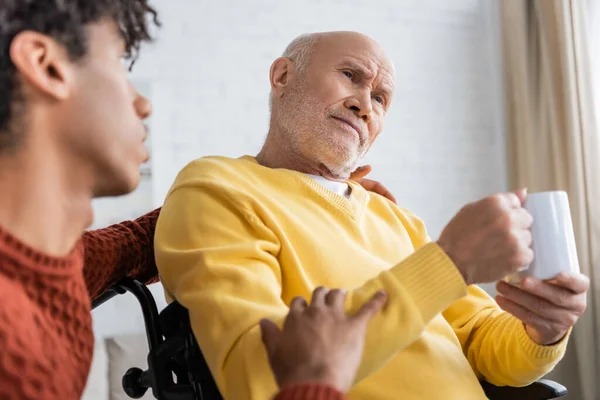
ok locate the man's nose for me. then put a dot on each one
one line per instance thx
(143, 107)
(361, 105)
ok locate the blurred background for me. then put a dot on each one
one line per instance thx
(490, 95)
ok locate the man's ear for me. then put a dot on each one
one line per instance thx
(42, 63)
(281, 71)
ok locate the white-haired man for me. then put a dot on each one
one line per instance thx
(240, 240)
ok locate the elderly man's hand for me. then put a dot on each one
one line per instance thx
(372, 186)
(548, 308)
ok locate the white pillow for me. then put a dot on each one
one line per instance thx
(125, 352)
(97, 386)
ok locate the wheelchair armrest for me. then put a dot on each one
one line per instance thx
(147, 303)
(106, 296)
(543, 389)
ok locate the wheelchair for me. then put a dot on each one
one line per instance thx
(177, 369)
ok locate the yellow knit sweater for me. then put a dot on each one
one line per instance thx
(235, 242)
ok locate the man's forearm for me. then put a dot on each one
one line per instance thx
(120, 250)
(418, 289)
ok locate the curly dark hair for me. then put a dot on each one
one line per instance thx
(65, 21)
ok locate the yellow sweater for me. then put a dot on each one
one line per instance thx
(235, 242)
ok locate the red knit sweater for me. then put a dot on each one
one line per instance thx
(46, 338)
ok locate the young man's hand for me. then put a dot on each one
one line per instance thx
(319, 343)
(372, 186)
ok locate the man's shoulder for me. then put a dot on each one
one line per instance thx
(214, 169)
(407, 214)
(237, 178)
(411, 222)
(383, 205)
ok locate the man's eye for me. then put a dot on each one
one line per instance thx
(379, 99)
(349, 74)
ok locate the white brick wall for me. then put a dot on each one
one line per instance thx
(442, 145)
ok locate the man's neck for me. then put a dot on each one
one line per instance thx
(272, 157)
(277, 153)
(45, 202)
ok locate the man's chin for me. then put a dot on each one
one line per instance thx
(341, 169)
(118, 185)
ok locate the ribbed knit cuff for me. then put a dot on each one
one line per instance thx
(538, 352)
(309, 391)
(432, 280)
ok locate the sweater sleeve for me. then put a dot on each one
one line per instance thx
(220, 262)
(118, 251)
(496, 343)
(309, 391)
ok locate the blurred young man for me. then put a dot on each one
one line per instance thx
(71, 128)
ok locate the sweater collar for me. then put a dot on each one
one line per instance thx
(25, 256)
(353, 206)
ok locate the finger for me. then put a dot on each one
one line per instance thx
(318, 297)
(513, 200)
(521, 195)
(388, 195)
(370, 308)
(518, 239)
(554, 293)
(335, 298)
(526, 238)
(512, 259)
(270, 335)
(576, 283)
(361, 172)
(381, 190)
(528, 317)
(522, 218)
(298, 304)
(533, 303)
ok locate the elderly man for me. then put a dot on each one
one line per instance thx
(240, 240)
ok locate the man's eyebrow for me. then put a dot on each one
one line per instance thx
(357, 66)
(386, 90)
(386, 87)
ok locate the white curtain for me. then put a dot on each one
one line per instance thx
(553, 144)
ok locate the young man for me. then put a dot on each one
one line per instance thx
(71, 128)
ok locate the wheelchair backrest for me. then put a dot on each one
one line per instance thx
(175, 323)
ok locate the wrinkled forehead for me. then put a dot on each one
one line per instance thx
(360, 50)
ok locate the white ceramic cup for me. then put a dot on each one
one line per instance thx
(553, 237)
